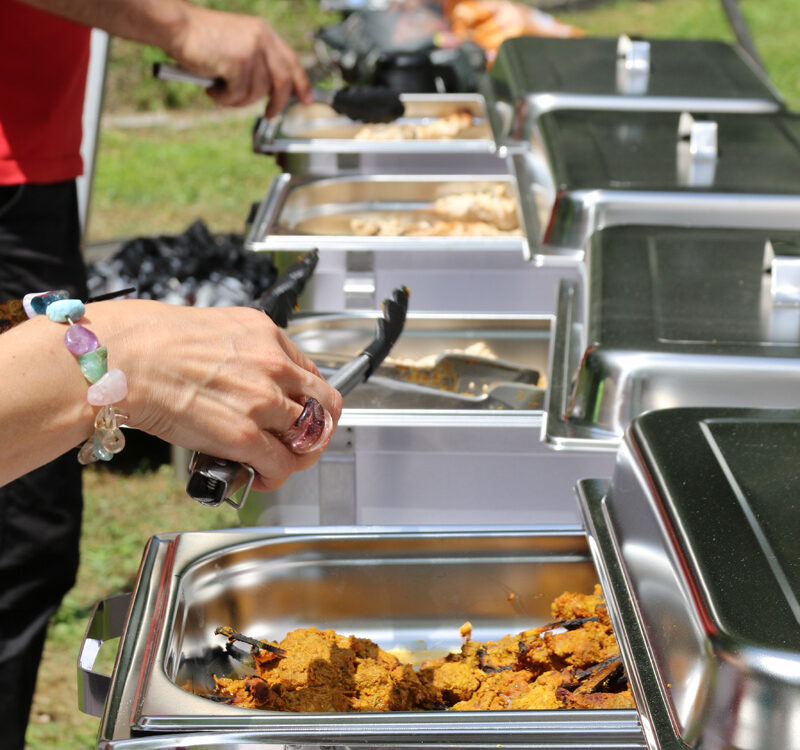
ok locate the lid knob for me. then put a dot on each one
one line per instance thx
(697, 151)
(782, 262)
(633, 66)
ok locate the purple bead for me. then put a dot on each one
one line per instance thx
(80, 340)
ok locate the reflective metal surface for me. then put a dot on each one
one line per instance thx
(673, 317)
(404, 456)
(534, 75)
(594, 169)
(268, 581)
(313, 139)
(696, 544)
(444, 274)
(301, 212)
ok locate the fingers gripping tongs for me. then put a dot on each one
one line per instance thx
(214, 480)
(378, 104)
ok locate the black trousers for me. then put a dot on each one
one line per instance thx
(40, 513)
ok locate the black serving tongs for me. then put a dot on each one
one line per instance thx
(373, 104)
(214, 480)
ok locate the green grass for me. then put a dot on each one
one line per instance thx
(158, 180)
(131, 87)
(121, 513)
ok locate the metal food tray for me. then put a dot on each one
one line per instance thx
(313, 139)
(444, 274)
(534, 75)
(403, 588)
(695, 541)
(594, 169)
(643, 334)
(403, 456)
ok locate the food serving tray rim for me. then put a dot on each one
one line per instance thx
(134, 704)
(269, 137)
(263, 237)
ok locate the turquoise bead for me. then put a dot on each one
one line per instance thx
(94, 364)
(38, 302)
(59, 310)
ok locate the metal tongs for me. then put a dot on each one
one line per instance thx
(214, 480)
(458, 380)
(373, 104)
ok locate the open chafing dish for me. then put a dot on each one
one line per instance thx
(404, 454)
(696, 543)
(445, 274)
(316, 140)
(593, 169)
(403, 588)
(533, 75)
(670, 317)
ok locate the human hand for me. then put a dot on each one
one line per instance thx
(222, 381)
(243, 51)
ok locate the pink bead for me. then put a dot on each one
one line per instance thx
(80, 340)
(112, 387)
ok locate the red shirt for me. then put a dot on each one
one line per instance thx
(43, 62)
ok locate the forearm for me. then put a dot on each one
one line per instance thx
(224, 381)
(44, 411)
(157, 22)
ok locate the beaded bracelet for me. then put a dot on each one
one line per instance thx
(107, 386)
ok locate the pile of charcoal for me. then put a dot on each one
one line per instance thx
(194, 268)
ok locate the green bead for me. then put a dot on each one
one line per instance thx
(101, 453)
(94, 364)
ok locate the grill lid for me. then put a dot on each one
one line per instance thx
(681, 317)
(695, 540)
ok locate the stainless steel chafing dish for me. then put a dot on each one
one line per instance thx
(696, 543)
(593, 169)
(533, 75)
(316, 140)
(403, 588)
(410, 455)
(445, 274)
(674, 317)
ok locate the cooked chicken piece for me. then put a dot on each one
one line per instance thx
(570, 606)
(571, 663)
(497, 692)
(623, 699)
(591, 643)
(449, 126)
(543, 693)
(450, 681)
(395, 226)
(492, 205)
(379, 689)
(487, 212)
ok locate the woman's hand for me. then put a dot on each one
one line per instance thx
(223, 381)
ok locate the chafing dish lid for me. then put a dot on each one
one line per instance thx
(696, 543)
(641, 151)
(675, 289)
(684, 69)
(687, 317)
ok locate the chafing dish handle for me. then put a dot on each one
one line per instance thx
(107, 621)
